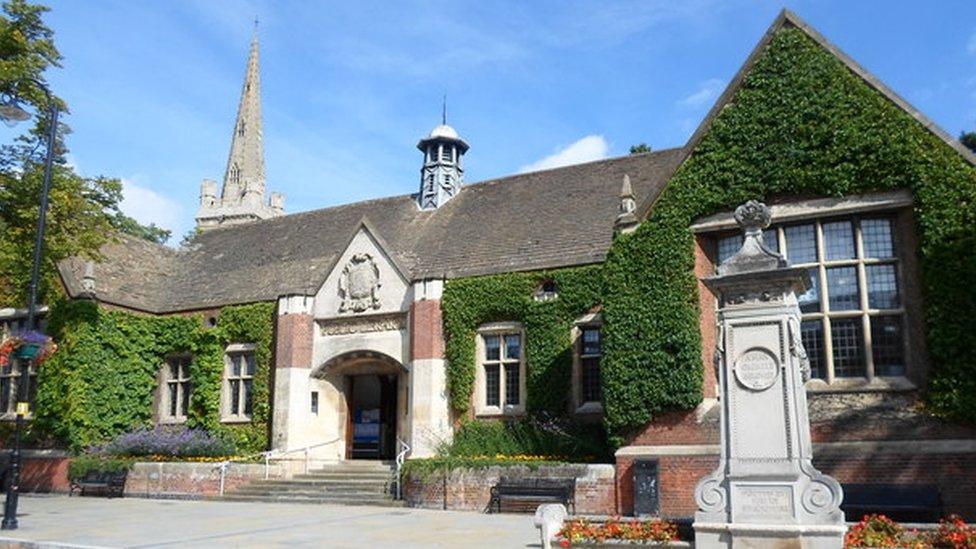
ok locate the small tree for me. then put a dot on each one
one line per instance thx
(968, 139)
(640, 148)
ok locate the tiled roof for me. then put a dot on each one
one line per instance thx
(531, 221)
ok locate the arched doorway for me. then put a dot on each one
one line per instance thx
(373, 388)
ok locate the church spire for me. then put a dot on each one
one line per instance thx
(242, 197)
(244, 176)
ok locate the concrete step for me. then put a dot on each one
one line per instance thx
(364, 477)
(378, 501)
(315, 488)
(324, 481)
(355, 494)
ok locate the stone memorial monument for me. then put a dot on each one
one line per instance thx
(765, 491)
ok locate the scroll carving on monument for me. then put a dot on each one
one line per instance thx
(359, 284)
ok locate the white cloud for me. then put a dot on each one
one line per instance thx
(591, 147)
(706, 92)
(148, 206)
(971, 46)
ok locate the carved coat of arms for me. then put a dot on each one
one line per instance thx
(359, 284)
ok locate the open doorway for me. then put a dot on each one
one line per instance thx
(372, 401)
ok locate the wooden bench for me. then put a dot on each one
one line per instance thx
(899, 502)
(525, 494)
(109, 483)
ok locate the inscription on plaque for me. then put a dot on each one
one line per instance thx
(764, 502)
(756, 369)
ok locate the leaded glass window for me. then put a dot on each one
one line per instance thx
(590, 353)
(853, 315)
(240, 384)
(502, 366)
(176, 388)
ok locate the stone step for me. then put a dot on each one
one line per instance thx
(325, 481)
(345, 476)
(317, 488)
(298, 491)
(378, 501)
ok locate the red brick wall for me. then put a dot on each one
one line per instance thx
(293, 341)
(676, 428)
(953, 473)
(426, 329)
(677, 478)
(44, 474)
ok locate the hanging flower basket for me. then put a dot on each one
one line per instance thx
(28, 344)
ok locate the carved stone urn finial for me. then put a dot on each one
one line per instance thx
(753, 217)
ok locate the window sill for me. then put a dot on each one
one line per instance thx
(172, 421)
(860, 384)
(497, 411)
(11, 417)
(590, 408)
(235, 419)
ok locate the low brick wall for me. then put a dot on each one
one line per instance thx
(43, 471)
(948, 464)
(185, 480)
(470, 489)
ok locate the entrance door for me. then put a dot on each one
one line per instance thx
(372, 411)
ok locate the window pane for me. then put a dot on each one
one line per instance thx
(848, 340)
(727, 247)
(513, 344)
(248, 400)
(492, 347)
(876, 234)
(174, 370)
(771, 239)
(512, 384)
(810, 300)
(235, 396)
(882, 287)
(811, 333)
(838, 240)
(591, 341)
(186, 398)
(590, 380)
(886, 343)
(249, 359)
(235, 365)
(173, 398)
(492, 385)
(842, 289)
(801, 244)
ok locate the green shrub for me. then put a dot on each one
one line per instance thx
(80, 466)
(540, 436)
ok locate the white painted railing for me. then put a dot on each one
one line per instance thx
(268, 456)
(400, 458)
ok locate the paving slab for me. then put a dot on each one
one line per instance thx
(60, 522)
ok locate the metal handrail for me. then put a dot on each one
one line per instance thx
(400, 458)
(276, 454)
(268, 455)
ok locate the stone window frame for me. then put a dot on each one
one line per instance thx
(481, 408)
(227, 415)
(183, 385)
(896, 207)
(589, 321)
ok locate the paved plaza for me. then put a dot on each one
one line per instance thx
(57, 521)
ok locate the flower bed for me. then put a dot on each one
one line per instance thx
(581, 532)
(881, 531)
(169, 443)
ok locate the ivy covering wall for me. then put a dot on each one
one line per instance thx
(104, 378)
(470, 302)
(801, 124)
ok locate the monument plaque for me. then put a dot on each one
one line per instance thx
(757, 369)
(765, 491)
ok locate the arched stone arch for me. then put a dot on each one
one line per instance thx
(360, 362)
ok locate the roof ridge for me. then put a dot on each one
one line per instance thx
(505, 178)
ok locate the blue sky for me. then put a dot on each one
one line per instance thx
(349, 87)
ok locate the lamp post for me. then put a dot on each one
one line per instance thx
(11, 113)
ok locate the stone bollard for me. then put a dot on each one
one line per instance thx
(549, 519)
